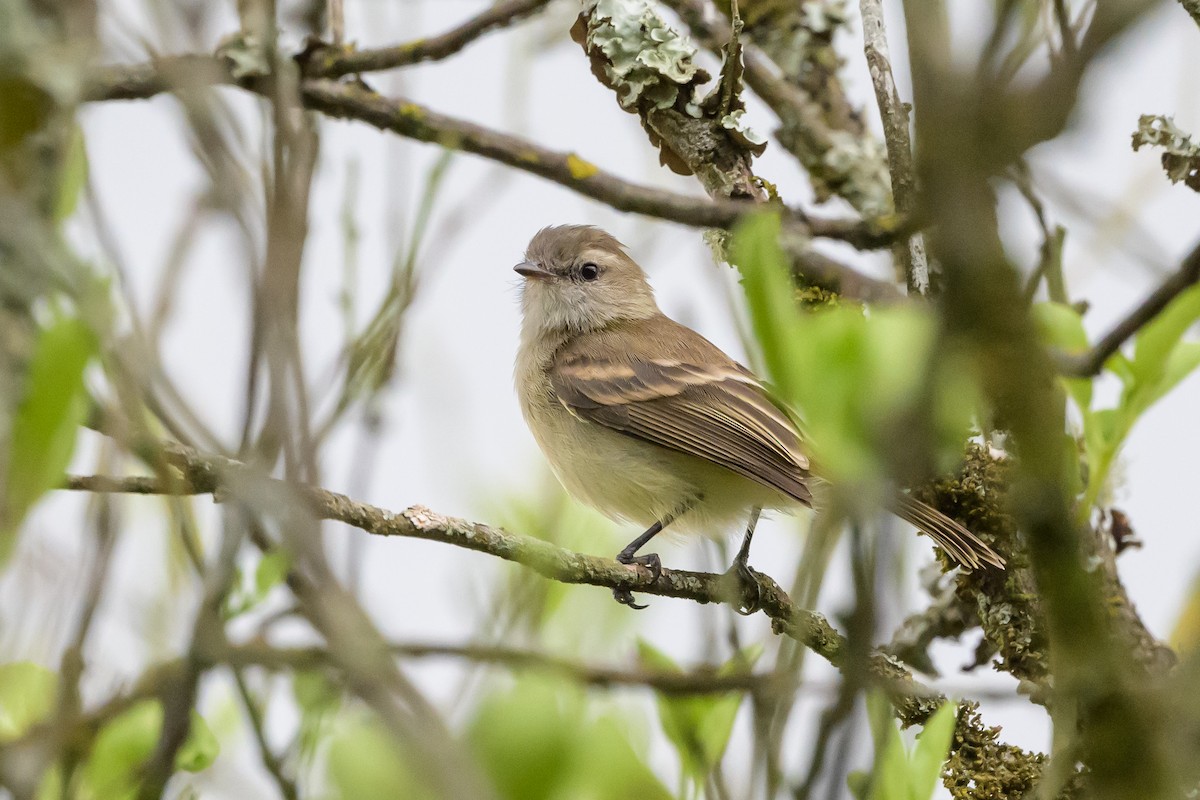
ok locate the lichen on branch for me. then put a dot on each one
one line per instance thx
(1181, 155)
(651, 69)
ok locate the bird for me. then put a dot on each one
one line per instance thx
(648, 422)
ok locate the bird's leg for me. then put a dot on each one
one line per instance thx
(748, 589)
(651, 560)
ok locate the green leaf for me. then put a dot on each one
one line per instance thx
(122, 747)
(1183, 360)
(899, 775)
(120, 750)
(933, 745)
(1157, 339)
(607, 767)
(526, 738)
(770, 296)
(201, 747)
(699, 727)
(72, 176)
(48, 417)
(1120, 365)
(27, 694)
(271, 570)
(365, 763)
(873, 367)
(24, 107)
(1061, 326)
(890, 781)
(318, 698)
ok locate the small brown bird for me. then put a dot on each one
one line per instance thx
(646, 420)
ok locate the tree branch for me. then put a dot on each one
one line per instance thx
(408, 119)
(1091, 362)
(697, 681)
(207, 474)
(203, 474)
(334, 62)
(896, 137)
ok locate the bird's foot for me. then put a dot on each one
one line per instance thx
(650, 561)
(745, 590)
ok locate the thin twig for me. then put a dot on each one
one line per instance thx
(336, 62)
(898, 140)
(337, 21)
(1091, 362)
(287, 787)
(698, 681)
(414, 121)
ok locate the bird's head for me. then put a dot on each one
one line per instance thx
(579, 278)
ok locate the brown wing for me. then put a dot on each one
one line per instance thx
(714, 410)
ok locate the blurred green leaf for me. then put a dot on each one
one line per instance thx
(53, 406)
(318, 698)
(1157, 338)
(72, 177)
(1183, 359)
(363, 765)
(607, 767)
(933, 746)
(1161, 360)
(699, 727)
(770, 296)
(898, 774)
(27, 695)
(201, 747)
(526, 738)
(857, 378)
(119, 751)
(24, 107)
(889, 780)
(1061, 327)
(271, 570)
(124, 744)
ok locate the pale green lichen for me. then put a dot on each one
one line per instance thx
(647, 60)
(246, 55)
(735, 121)
(796, 35)
(1181, 156)
(859, 166)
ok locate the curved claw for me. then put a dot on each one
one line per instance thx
(650, 561)
(749, 592)
(625, 598)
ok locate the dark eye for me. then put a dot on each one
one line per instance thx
(589, 272)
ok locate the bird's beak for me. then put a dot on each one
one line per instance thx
(528, 269)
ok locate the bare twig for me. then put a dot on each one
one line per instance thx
(286, 786)
(337, 61)
(698, 681)
(337, 21)
(896, 136)
(411, 120)
(1092, 362)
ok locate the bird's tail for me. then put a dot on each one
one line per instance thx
(962, 545)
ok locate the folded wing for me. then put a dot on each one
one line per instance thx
(717, 412)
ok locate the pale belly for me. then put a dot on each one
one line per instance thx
(628, 479)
